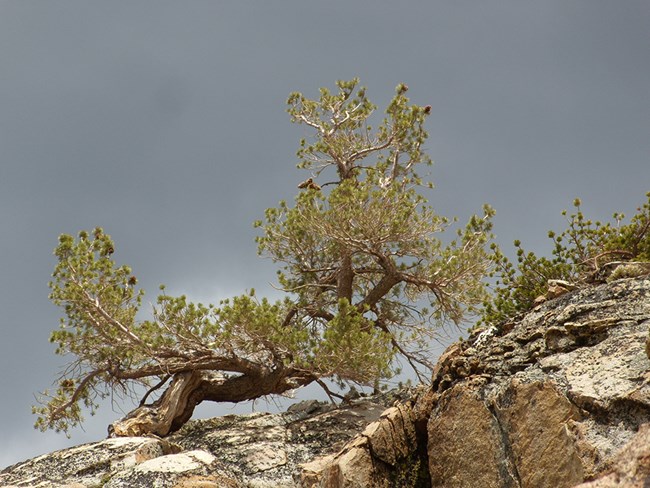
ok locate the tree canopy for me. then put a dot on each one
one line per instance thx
(366, 274)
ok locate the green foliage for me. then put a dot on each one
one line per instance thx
(352, 348)
(90, 289)
(412, 472)
(359, 256)
(113, 350)
(344, 137)
(579, 252)
(368, 236)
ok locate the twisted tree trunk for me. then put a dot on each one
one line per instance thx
(188, 389)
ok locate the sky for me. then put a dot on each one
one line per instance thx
(164, 122)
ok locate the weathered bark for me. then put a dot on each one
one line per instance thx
(345, 277)
(188, 389)
(379, 291)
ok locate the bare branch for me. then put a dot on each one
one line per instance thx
(154, 388)
(328, 392)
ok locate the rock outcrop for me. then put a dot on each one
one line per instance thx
(255, 450)
(560, 398)
(388, 452)
(552, 400)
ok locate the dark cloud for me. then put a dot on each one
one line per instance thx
(164, 123)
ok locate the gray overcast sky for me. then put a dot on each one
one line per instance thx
(164, 122)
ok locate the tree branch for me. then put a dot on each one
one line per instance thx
(380, 290)
(345, 277)
(59, 412)
(154, 388)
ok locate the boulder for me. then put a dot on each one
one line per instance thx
(86, 465)
(382, 455)
(550, 401)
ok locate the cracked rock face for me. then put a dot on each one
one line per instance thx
(551, 402)
(385, 454)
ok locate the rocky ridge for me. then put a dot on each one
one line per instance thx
(552, 400)
(254, 450)
(559, 398)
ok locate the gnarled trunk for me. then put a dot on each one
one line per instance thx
(187, 389)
